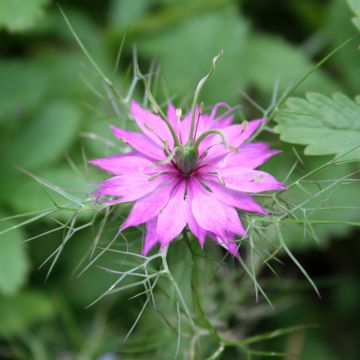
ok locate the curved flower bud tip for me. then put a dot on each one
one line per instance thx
(198, 183)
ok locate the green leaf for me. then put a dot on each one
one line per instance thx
(46, 138)
(23, 86)
(14, 263)
(355, 7)
(325, 125)
(339, 28)
(124, 13)
(21, 312)
(185, 53)
(19, 15)
(270, 59)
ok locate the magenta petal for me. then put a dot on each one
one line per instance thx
(140, 143)
(185, 125)
(252, 181)
(151, 125)
(194, 227)
(150, 237)
(234, 198)
(149, 206)
(130, 187)
(235, 135)
(213, 215)
(249, 155)
(171, 220)
(124, 163)
(249, 130)
(173, 118)
(227, 242)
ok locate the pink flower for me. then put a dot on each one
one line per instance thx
(192, 172)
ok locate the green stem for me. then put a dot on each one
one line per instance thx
(195, 285)
(197, 93)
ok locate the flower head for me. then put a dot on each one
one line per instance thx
(193, 172)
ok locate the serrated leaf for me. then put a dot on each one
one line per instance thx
(355, 7)
(325, 125)
(23, 86)
(20, 15)
(46, 138)
(23, 311)
(14, 263)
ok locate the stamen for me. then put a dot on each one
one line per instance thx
(148, 126)
(155, 176)
(221, 179)
(166, 147)
(169, 158)
(154, 109)
(258, 178)
(245, 125)
(178, 113)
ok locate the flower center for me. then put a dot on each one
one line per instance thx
(186, 159)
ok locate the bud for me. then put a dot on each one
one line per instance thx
(186, 159)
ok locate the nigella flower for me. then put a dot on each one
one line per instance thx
(193, 172)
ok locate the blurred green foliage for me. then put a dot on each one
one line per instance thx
(54, 116)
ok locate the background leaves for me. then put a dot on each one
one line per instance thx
(54, 116)
(17, 15)
(326, 125)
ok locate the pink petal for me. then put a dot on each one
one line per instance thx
(150, 237)
(171, 220)
(234, 198)
(140, 143)
(247, 180)
(148, 206)
(173, 118)
(130, 187)
(248, 156)
(124, 163)
(185, 125)
(235, 136)
(212, 214)
(223, 120)
(194, 227)
(228, 242)
(151, 125)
